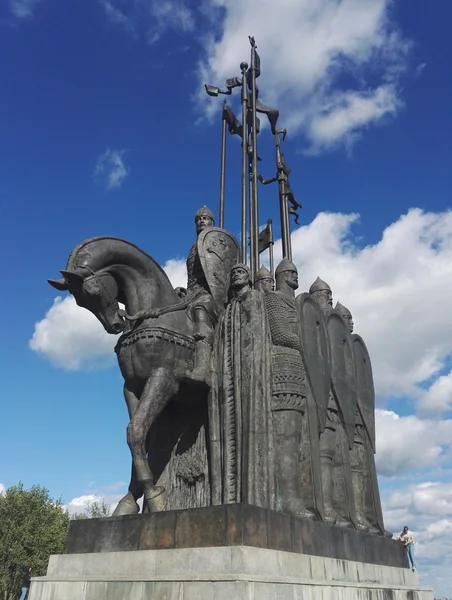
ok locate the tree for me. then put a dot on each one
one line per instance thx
(32, 527)
(94, 510)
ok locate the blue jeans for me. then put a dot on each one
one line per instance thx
(410, 555)
(24, 594)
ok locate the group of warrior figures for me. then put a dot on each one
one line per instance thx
(291, 397)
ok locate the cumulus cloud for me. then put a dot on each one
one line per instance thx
(23, 9)
(426, 508)
(396, 456)
(80, 504)
(110, 170)
(307, 49)
(388, 288)
(2, 488)
(72, 338)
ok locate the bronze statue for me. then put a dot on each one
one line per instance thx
(264, 281)
(335, 482)
(199, 298)
(288, 388)
(241, 431)
(237, 392)
(157, 348)
(362, 462)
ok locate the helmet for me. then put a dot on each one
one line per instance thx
(206, 212)
(263, 273)
(342, 310)
(318, 286)
(285, 265)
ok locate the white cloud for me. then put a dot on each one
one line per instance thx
(426, 508)
(438, 397)
(397, 290)
(308, 50)
(177, 272)
(72, 338)
(80, 504)
(110, 169)
(397, 456)
(153, 19)
(2, 488)
(23, 9)
(116, 16)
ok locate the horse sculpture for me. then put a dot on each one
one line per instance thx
(154, 353)
(156, 349)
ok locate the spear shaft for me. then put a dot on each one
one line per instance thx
(223, 167)
(244, 68)
(254, 208)
(283, 205)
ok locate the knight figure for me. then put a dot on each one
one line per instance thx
(200, 302)
(288, 388)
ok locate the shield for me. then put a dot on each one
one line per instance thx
(218, 251)
(316, 352)
(343, 371)
(365, 386)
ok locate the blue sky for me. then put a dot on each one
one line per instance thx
(106, 130)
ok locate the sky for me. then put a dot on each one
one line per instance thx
(106, 130)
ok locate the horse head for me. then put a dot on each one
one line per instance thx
(97, 292)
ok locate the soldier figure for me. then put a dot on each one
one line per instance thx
(200, 301)
(362, 461)
(240, 280)
(322, 294)
(288, 389)
(264, 281)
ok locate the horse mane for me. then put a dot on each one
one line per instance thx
(76, 250)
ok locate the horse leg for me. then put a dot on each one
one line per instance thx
(157, 392)
(128, 504)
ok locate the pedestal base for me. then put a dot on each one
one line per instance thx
(221, 573)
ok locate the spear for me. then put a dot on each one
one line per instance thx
(252, 74)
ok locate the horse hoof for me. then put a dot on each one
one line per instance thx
(156, 499)
(126, 506)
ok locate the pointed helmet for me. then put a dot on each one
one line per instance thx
(318, 286)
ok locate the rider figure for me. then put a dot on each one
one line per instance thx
(200, 301)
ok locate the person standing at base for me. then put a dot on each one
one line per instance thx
(25, 583)
(407, 539)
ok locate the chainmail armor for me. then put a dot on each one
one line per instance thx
(288, 372)
(196, 279)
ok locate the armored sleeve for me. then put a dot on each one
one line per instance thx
(279, 324)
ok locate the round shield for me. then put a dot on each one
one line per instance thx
(316, 352)
(218, 251)
(365, 386)
(343, 370)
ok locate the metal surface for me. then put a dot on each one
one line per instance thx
(316, 351)
(343, 371)
(223, 166)
(365, 386)
(218, 252)
(243, 255)
(254, 208)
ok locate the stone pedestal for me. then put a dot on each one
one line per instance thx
(234, 552)
(234, 573)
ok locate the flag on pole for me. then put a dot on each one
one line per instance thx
(266, 237)
(231, 120)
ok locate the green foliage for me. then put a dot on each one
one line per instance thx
(32, 527)
(94, 510)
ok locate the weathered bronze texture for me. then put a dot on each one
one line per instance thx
(243, 399)
(231, 525)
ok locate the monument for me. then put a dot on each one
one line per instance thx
(252, 429)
